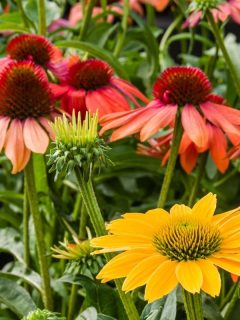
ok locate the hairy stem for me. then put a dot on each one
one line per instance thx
(193, 305)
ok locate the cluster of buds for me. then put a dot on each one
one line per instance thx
(204, 5)
(77, 145)
(43, 315)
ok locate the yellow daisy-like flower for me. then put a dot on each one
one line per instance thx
(162, 249)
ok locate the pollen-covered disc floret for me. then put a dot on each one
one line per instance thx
(90, 74)
(182, 85)
(187, 239)
(77, 145)
(24, 91)
(29, 46)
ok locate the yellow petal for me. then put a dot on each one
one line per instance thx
(180, 210)
(205, 207)
(122, 264)
(231, 243)
(140, 274)
(223, 217)
(190, 276)
(211, 278)
(162, 281)
(227, 264)
(231, 225)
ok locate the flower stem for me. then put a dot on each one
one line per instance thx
(22, 12)
(72, 301)
(123, 30)
(177, 135)
(232, 303)
(225, 53)
(193, 305)
(94, 212)
(86, 19)
(42, 28)
(25, 225)
(40, 243)
(199, 175)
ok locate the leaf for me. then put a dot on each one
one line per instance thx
(20, 271)
(10, 26)
(153, 310)
(15, 297)
(10, 241)
(169, 311)
(96, 52)
(88, 314)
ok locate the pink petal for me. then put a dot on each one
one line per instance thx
(58, 90)
(59, 69)
(75, 100)
(35, 137)
(194, 126)
(47, 126)
(231, 114)
(4, 122)
(14, 146)
(163, 118)
(116, 99)
(96, 103)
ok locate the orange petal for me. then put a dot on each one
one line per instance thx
(190, 276)
(205, 207)
(188, 159)
(211, 278)
(36, 139)
(162, 281)
(4, 122)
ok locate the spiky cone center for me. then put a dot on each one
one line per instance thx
(77, 145)
(29, 46)
(24, 91)
(204, 5)
(90, 74)
(185, 238)
(182, 85)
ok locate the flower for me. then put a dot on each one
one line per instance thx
(221, 11)
(162, 249)
(43, 315)
(26, 104)
(38, 49)
(204, 116)
(92, 86)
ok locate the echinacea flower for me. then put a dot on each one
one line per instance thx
(92, 86)
(204, 116)
(162, 250)
(38, 49)
(221, 11)
(26, 105)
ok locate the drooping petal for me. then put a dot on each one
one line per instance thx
(190, 276)
(75, 100)
(162, 281)
(115, 99)
(188, 158)
(226, 264)
(140, 274)
(211, 278)
(35, 138)
(205, 207)
(46, 124)
(195, 126)
(4, 123)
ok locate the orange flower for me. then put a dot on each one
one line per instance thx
(26, 104)
(204, 116)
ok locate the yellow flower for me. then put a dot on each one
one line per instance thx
(162, 249)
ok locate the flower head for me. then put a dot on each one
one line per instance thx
(43, 315)
(38, 49)
(77, 145)
(204, 115)
(91, 86)
(26, 104)
(162, 249)
(72, 251)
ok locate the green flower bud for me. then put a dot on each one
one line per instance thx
(43, 315)
(204, 5)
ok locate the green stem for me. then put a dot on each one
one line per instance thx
(220, 41)
(83, 222)
(72, 302)
(177, 135)
(40, 243)
(228, 297)
(123, 31)
(86, 19)
(22, 12)
(42, 28)
(150, 15)
(193, 305)
(199, 174)
(26, 226)
(96, 218)
(232, 303)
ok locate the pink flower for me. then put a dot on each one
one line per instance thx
(26, 106)
(92, 86)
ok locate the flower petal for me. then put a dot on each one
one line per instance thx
(205, 207)
(211, 278)
(162, 281)
(35, 138)
(180, 209)
(227, 264)
(4, 123)
(190, 276)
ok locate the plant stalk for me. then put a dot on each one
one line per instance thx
(123, 31)
(193, 305)
(177, 135)
(228, 60)
(39, 233)
(86, 19)
(42, 28)
(96, 218)
(26, 226)
(233, 301)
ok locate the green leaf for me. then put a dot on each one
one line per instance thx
(96, 52)
(15, 297)
(10, 26)
(10, 241)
